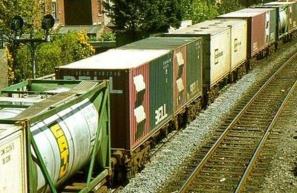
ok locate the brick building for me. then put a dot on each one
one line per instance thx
(78, 12)
(79, 15)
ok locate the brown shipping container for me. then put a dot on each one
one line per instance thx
(128, 73)
(256, 28)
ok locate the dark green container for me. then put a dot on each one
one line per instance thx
(161, 91)
(272, 26)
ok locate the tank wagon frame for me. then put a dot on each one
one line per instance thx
(55, 102)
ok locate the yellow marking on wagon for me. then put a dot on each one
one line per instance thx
(63, 148)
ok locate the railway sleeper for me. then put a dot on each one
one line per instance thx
(218, 178)
(208, 187)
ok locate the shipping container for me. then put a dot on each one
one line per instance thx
(288, 12)
(216, 50)
(13, 161)
(256, 33)
(187, 63)
(270, 24)
(140, 86)
(282, 19)
(66, 126)
(238, 39)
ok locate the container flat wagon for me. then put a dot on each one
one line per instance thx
(53, 135)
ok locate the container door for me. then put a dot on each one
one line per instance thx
(194, 70)
(179, 78)
(273, 26)
(220, 59)
(267, 28)
(238, 44)
(161, 90)
(283, 20)
(139, 104)
(13, 164)
(258, 34)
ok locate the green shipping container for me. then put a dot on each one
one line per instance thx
(191, 48)
(272, 26)
(161, 89)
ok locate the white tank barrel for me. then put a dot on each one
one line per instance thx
(65, 140)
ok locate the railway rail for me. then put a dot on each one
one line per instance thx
(255, 176)
(226, 165)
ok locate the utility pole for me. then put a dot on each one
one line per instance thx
(17, 25)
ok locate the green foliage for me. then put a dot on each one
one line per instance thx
(198, 10)
(10, 8)
(62, 50)
(227, 6)
(108, 36)
(140, 18)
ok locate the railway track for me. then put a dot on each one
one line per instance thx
(255, 177)
(229, 161)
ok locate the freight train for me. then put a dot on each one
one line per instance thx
(155, 84)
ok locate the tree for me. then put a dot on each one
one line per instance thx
(198, 10)
(10, 8)
(139, 18)
(62, 50)
(227, 6)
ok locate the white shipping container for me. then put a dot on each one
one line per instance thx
(238, 40)
(12, 160)
(216, 49)
(220, 57)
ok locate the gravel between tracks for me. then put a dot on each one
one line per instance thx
(172, 155)
(283, 174)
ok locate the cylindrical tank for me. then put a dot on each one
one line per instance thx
(65, 140)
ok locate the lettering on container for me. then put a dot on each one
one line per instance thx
(63, 148)
(194, 87)
(217, 55)
(111, 90)
(160, 114)
(166, 65)
(107, 73)
(5, 153)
